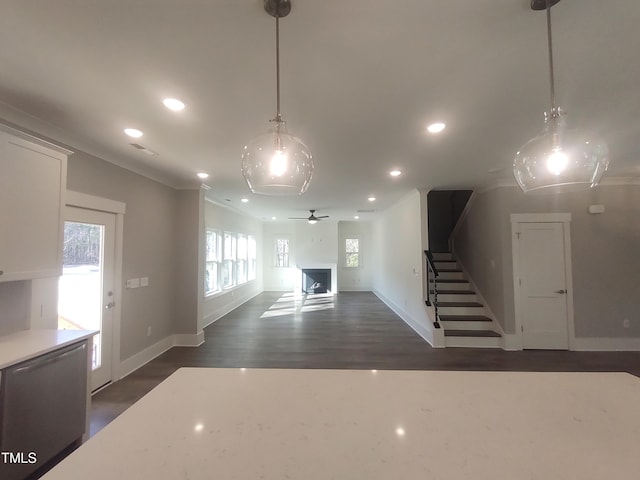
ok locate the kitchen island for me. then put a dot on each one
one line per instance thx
(204, 423)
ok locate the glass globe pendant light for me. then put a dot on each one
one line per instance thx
(276, 162)
(559, 159)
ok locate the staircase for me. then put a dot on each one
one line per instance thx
(461, 315)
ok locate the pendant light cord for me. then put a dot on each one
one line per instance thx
(554, 110)
(278, 118)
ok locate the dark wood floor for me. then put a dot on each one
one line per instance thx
(352, 330)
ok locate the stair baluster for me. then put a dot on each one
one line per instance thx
(432, 275)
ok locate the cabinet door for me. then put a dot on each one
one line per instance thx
(31, 195)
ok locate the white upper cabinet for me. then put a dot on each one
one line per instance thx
(32, 185)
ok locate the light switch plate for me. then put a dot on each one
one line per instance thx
(144, 281)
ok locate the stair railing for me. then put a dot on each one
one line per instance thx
(432, 286)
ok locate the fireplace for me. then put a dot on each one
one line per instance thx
(316, 280)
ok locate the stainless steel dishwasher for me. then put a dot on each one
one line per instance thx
(42, 409)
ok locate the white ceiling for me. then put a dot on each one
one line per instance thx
(360, 81)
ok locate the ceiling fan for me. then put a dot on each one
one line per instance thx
(311, 219)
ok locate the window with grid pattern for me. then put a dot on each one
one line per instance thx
(282, 252)
(213, 259)
(352, 252)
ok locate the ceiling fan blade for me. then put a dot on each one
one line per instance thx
(323, 216)
(298, 218)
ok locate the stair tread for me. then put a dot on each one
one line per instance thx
(452, 280)
(459, 304)
(471, 333)
(464, 318)
(449, 270)
(454, 292)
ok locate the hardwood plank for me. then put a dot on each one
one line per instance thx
(352, 330)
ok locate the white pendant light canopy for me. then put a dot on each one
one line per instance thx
(276, 162)
(559, 159)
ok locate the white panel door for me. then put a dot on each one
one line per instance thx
(543, 286)
(86, 288)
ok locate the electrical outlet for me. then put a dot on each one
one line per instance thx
(149, 331)
(626, 323)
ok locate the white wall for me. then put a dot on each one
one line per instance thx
(15, 308)
(223, 218)
(398, 271)
(320, 245)
(277, 279)
(316, 244)
(356, 278)
(310, 246)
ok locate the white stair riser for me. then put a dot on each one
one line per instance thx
(460, 310)
(451, 297)
(446, 265)
(463, 325)
(456, 275)
(453, 286)
(442, 256)
(474, 342)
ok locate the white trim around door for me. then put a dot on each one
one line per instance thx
(530, 218)
(91, 202)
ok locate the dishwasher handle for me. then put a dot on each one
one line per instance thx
(40, 362)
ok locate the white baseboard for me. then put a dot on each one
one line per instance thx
(188, 339)
(143, 357)
(140, 359)
(630, 344)
(228, 307)
(511, 342)
(425, 331)
(596, 344)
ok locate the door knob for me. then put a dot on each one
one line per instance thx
(561, 291)
(110, 305)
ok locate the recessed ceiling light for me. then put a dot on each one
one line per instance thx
(203, 175)
(372, 199)
(274, 218)
(395, 173)
(357, 217)
(436, 127)
(173, 104)
(133, 132)
(244, 200)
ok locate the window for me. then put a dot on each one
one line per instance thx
(352, 252)
(251, 240)
(212, 262)
(282, 252)
(228, 270)
(230, 260)
(241, 259)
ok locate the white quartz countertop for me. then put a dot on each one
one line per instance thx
(24, 345)
(202, 424)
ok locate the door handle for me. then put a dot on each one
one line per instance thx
(110, 305)
(561, 291)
